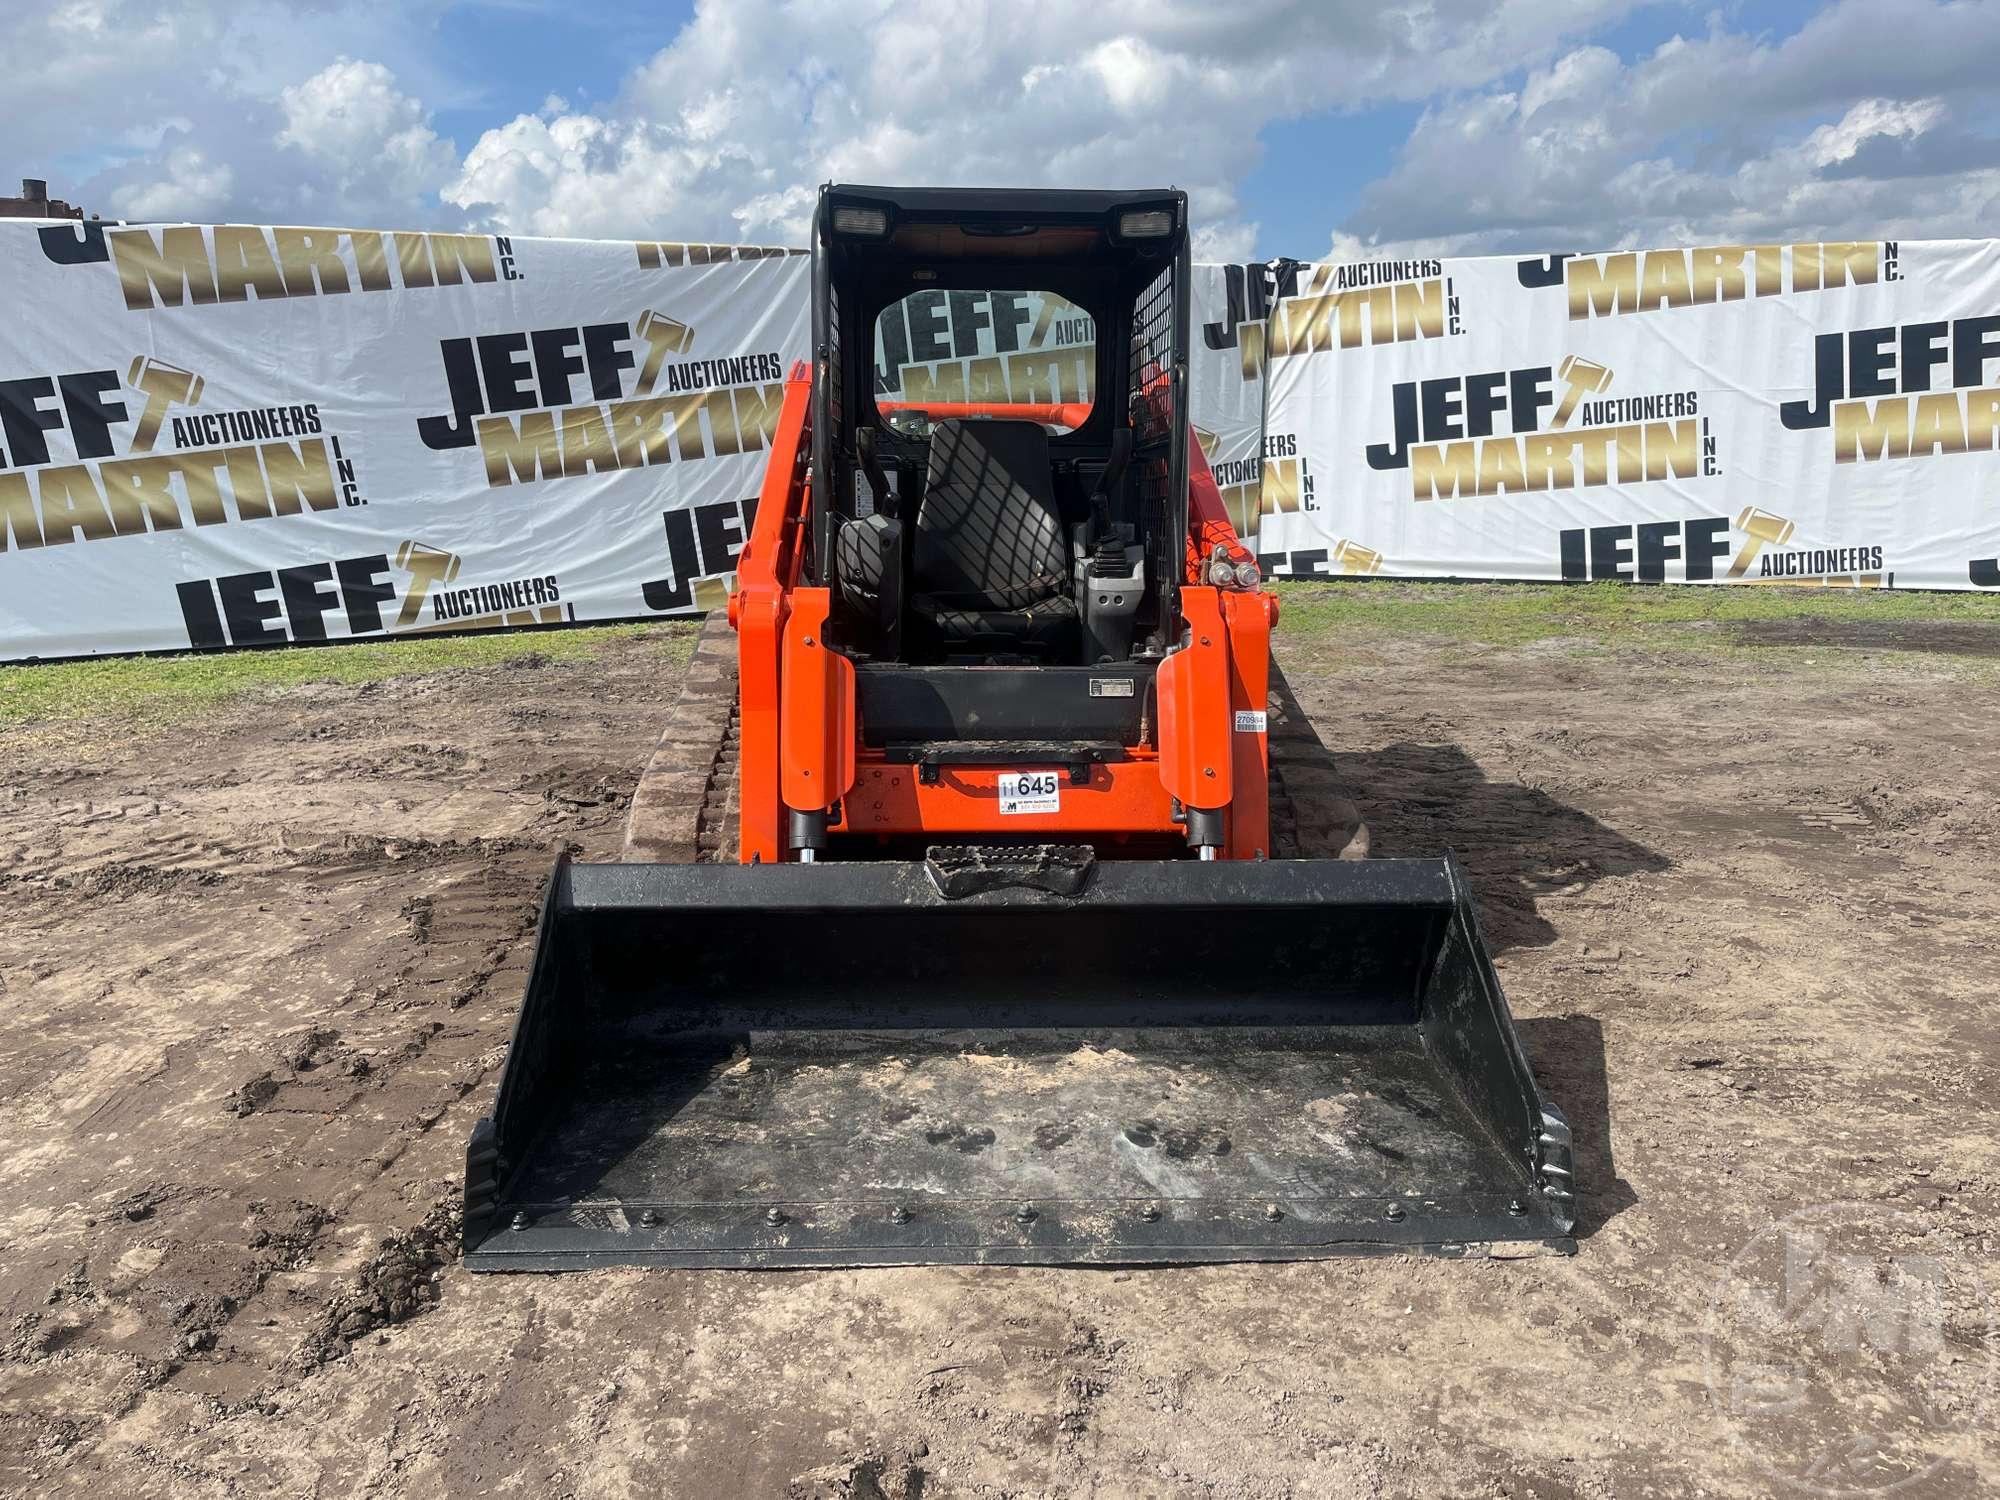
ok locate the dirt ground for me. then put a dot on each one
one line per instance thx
(257, 973)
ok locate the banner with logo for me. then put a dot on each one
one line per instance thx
(1227, 394)
(230, 435)
(1039, 348)
(1028, 346)
(1816, 414)
(226, 435)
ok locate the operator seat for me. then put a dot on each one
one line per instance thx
(991, 570)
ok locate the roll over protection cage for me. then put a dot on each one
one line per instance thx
(1137, 290)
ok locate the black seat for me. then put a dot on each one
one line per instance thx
(991, 570)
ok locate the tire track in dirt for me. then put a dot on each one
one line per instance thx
(1744, 933)
(279, 977)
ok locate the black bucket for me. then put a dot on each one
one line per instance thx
(835, 1064)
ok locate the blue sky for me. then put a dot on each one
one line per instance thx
(1343, 153)
(1337, 127)
(512, 57)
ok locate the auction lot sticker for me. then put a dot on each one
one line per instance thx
(1030, 792)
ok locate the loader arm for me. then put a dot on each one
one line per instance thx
(1211, 531)
(767, 575)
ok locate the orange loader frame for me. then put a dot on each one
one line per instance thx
(801, 739)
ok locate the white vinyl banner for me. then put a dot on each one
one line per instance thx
(1036, 347)
(233, 435)
(1023, 346)
(1226, 386)
(1821, 414)
(227, 435)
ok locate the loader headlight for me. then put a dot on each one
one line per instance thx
(863, 223)
(1248, 575)
(1146, 224)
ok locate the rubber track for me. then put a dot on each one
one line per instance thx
(684, 807)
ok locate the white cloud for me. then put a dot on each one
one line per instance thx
(1874, 116)
(1839, 141)
(1866, 121)
(193, 187)
(376, 142)
(199, 108)
(724, 132)
(1231, 241)
(1136, 77)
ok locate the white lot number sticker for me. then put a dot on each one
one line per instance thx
(1030, 792)
(1250, 721)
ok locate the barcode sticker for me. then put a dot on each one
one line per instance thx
(1030, 792)
(1251, 721)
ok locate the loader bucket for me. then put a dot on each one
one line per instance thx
(837, 1064)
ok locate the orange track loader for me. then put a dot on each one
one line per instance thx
(1005, 972)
